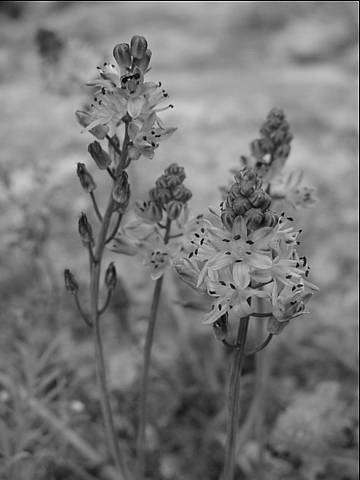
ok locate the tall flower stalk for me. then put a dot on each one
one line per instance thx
(147, 236)
(245, 254)
(125, 103)
(233, 398)
(146, 365)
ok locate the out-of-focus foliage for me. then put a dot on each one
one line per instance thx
(226, 65)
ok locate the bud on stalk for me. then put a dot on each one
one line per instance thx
(173, 209)
(85, 230)
(143, 64)
(121, 192)
(138, 46)
(102, 158)
(122, 56)
(86, 180)
(71, 284)
(110, 276)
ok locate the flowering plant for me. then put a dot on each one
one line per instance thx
(242, 256)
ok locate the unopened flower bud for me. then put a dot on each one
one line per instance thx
(270, 219)
(220, 327)
(155, 212)
(110, 276)
(182, 194)
(122, 56)
(162, 181)
(233, 193)
(138, 46)
(102, 158)
(173, 209)
(114, 150)
(86, 179)
(254, 218)
(71, 284)
(283, 151)
(121, 192)
(227, 218)
(274, 326)
(159, 195)
(248, 181)
(85, 230)
(260, 199)
(100, 131)
(241, 205)
(175, 169)
(143, 64)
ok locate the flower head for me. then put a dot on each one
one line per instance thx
(236, 258)
(123, 96)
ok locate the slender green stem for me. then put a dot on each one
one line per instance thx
(107, 302)
(115, 229)
(262, 371)
(140, 447)
(260, 347)
(95, 269)
(81, 311)
(96, 207)
(234, 403)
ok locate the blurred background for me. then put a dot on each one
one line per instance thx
(225, 65)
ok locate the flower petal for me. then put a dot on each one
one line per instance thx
(135, 105)
(257, 260)
(241, 274)
(220, 261)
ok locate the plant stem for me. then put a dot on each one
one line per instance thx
(262, 371)
(234, 404)
(140, 447)
(99, 351)
(96, 207)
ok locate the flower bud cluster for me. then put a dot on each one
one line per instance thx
(123, 97)
(275, 138)
(246, 198)
(169, 195)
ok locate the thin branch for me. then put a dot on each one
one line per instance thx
(81, 311)
(92, 257)
(176, 236)
(140, 445)
(261, 346)
(261, 315)
(96, 207)
(234, 403)
(115, 229)
(111, 173)
(106, 304)
(107, 414)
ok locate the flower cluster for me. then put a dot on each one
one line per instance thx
(246, 253)
(169, 196)
(143, 235)
(268, 157)
(122, 96)
(247, 199)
